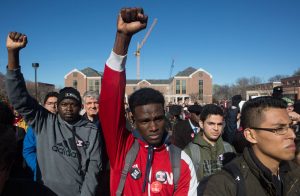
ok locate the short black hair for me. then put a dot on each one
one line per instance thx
(8, 146)
(252, 112)
(50, 94)
(6, 114)
(210, 109)
(145, 96)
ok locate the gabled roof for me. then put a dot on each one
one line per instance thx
(149, 81)
(187, 72)
(90, 72)
(74, 70)
(159, 81)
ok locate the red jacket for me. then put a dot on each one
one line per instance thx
(119, 140)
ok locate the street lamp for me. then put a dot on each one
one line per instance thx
(35, 66)
(295, 96)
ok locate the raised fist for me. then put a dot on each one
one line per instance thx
(16, 41)
(131, 21)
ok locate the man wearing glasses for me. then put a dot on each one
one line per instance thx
(265, 167)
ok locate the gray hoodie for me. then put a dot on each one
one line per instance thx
(61, 147)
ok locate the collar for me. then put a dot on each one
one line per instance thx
(263, 173)
(150, 152)
(95, 119)
(195, 129)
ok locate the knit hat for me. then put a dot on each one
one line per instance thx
(69, 93)
(277, 89)
(277, 92)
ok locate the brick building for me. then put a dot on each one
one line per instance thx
(290, 86)
(195, 84)
(84, 80)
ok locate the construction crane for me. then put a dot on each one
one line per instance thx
(172, 67)
(139, 47)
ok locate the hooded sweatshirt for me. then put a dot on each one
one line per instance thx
(68, 156)
(157, 169)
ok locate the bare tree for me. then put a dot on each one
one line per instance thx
(297, 72)
(221, 92)
(255, 80)
(194, 97)
(277, 78)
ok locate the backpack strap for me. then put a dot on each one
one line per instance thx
(130, 157)
(175, 157)
(235, 172)
(195, 155)
(227, 147)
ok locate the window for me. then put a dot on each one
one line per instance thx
(97, 85)
(177, 86)
(201, 90)
(180, 86)
(94, 85)
(90, 85)
(75, 74)
(75, 84)
(183, 86)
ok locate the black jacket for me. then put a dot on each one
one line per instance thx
(258, 181)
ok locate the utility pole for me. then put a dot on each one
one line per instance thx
(35, 66)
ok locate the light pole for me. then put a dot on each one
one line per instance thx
(35, 66)
(295, 96)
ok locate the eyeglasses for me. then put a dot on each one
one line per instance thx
(279, 130)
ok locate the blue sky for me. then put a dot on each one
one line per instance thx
(228, 38)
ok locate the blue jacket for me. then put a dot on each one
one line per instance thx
(29, 150)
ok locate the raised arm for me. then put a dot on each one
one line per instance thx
(112, 113)
(15, 83)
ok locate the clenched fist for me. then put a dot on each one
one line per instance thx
(16, 41)
(131, 21)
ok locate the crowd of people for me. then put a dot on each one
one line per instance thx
(90, 145)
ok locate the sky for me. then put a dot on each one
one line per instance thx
(229, 39)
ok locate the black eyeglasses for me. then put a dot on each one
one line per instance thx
(279, 130)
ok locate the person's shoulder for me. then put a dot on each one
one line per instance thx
(92, 125)
(220, 183)
(293, 168)
(186, 159)
(84, 123)
(228, 146)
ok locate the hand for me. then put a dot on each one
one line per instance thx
(16, 41)
(131, 21)
(294, 116)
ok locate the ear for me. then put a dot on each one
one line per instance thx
(133, 120)
(201, 124)
(250, 135)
